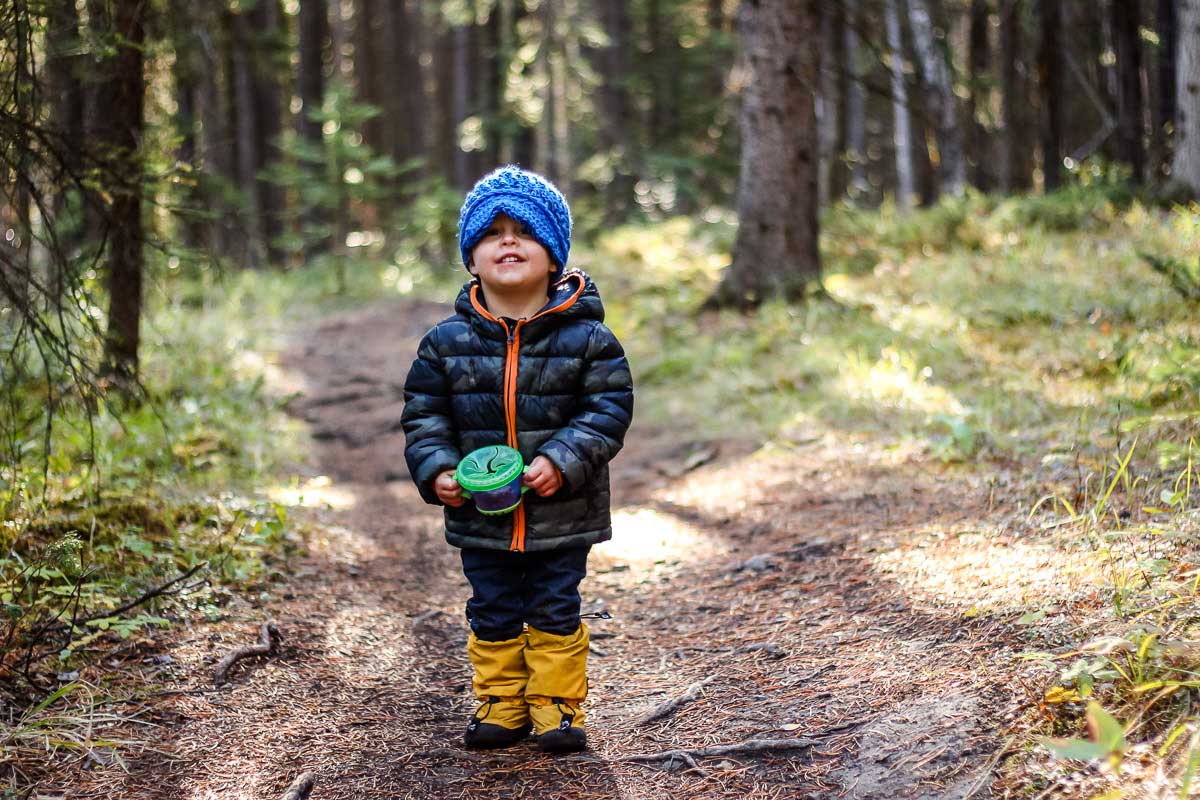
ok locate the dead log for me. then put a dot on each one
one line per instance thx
(270, 639)
(301, 787)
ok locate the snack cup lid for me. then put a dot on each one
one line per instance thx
(489, 468)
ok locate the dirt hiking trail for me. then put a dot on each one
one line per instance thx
(806, 606)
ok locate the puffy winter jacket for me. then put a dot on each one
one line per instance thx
(555, 384)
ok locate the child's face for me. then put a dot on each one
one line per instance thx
(508, 259)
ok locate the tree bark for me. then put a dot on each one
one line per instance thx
(979, 160)
(940, 100)
(1161, 90)
(461, 100)
(856, 126)
(1129, 86)
(270, 56)
(902, 123)
(310, 87)
(1185, 168)
(67, 126)
(1051, 85)
(218, 152)
(368, 69)
(413, 107)
(827, 105)
(775, 252)
(118, 131)
(1014, 99)
(310, 78)
(612, 65)
(248, 158)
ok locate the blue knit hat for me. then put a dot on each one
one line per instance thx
(526, 197)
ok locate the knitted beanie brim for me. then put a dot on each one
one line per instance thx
(485, 213)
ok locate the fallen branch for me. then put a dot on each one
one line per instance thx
(270, 638)
(300, 788)
(150, 595)
(669, 707)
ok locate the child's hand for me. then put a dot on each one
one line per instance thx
(543, 477)
(448, 490)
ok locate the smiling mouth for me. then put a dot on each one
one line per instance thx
(510, 260)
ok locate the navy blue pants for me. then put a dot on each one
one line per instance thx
(511, 589)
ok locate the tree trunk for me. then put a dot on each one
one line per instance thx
(368, 70)
(940, 100)
(1014, 99)
(902, 124)
(1161, 90)
(248, 157)
(218, 152)
(827, 106)
(310, 88)
(413, 107)
(117, 132)
(1129, 86)
(1051, 85)
(980, 59)
(1168, 36)
(775, 252)
(612, 65)
(856, 125)
(267, 18)
(461, 100)
(445, 141)
(310, 77)
(67, 126)
(1185, 168)
(339, 38)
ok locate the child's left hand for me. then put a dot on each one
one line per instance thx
(543, 477)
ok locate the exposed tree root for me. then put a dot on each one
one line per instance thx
(669, 707)
(270, 638)
(301, 787)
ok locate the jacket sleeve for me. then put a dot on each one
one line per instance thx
(597, 430)
(430, 441)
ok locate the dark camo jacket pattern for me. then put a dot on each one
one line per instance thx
(574, 404)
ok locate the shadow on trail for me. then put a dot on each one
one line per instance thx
(768, 596)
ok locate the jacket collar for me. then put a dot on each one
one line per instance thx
(573, 296)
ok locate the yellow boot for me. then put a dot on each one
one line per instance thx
(557, 687)
(500, 678)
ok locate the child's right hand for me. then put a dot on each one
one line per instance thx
(448, 490)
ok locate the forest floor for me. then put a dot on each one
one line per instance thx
(819, 596)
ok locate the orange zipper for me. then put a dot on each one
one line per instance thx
(512, 355)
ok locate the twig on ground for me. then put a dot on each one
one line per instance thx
(301, 787)
(989, 767)
(669, 707)
(147, 596)
(270, 638)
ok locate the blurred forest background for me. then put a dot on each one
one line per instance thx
(966, 226)
(147, 136)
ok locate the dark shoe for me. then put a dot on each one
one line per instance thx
(486, 736)
(570, 739)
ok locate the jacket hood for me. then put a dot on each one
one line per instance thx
(574, 296)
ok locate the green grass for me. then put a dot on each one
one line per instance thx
(969, 326)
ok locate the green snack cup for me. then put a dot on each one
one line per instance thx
(491, 476)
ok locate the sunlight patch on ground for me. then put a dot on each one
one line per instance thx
(643, 537)
(974, 571)
(343, 545)
(318, 492)
(894, 380)
(278, 381)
